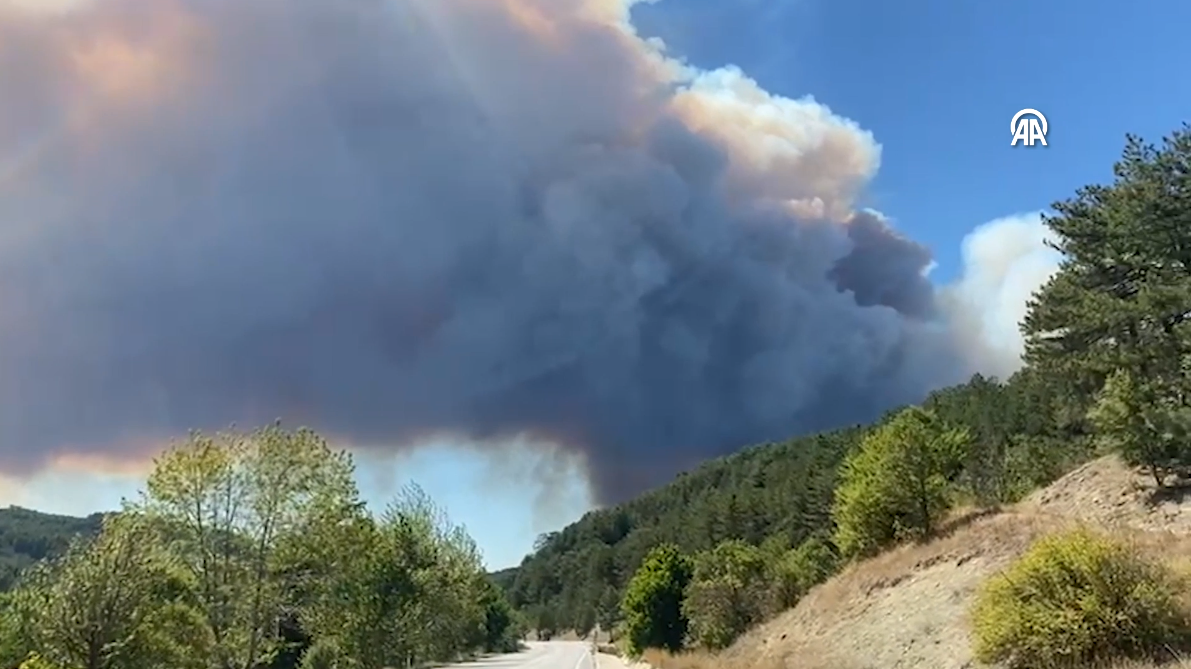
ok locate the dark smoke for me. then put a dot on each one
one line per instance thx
(393, 218)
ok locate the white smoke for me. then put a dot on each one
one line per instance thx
(1005, 261)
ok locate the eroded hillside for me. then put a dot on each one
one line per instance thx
(908, 607)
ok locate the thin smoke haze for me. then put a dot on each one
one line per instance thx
(398, 219)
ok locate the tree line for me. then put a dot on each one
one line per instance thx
(27, 536)
(251, 551)
(791, 513)
(1108, 355)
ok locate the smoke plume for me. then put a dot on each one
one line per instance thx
(390, 219)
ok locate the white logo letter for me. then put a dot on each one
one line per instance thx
(1028, 130)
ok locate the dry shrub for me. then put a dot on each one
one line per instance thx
(659, 659)
(1078, 598)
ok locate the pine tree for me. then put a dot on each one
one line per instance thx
(1122, 297)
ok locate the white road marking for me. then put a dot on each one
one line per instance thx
(582, 656)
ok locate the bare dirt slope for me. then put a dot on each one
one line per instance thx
(1108, 494)
(907, 608)
(606, 661)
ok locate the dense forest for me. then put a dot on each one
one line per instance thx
(1106, 369)
(27, 536)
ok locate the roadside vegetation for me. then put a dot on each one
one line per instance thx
(253, 550)
(1107, 371)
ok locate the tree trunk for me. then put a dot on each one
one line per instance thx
(925, 504)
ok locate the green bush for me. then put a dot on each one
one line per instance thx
(324, 654)
(792, 573)
(652, 606)
(1077, 598)
(1132, 418)
(35, 661)
(726, 594)
(502, 629)
(897, 485)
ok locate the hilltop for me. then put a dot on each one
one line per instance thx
(27, 536)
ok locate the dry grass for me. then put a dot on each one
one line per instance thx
(608, 649)
(663, 660)
(703, 660)
(1130, 664)
(694, 660)
(907, 608)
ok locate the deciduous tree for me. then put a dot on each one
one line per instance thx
(118, 601)
(652, 605)
(896, 485)
(233, 502)
(726, 594)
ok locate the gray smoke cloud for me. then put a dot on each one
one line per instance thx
(389, 219)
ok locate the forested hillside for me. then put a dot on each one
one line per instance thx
(779, 490)
(1108, 367)
(27, 536)
(780, 495)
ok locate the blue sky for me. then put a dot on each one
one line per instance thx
(936, 81)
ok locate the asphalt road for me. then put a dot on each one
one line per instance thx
(541, 655)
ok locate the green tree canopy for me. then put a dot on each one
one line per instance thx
(652, 604)
(727, 593)
(113, 602)
(1121, 299)
(253, 551)
(896, 485)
